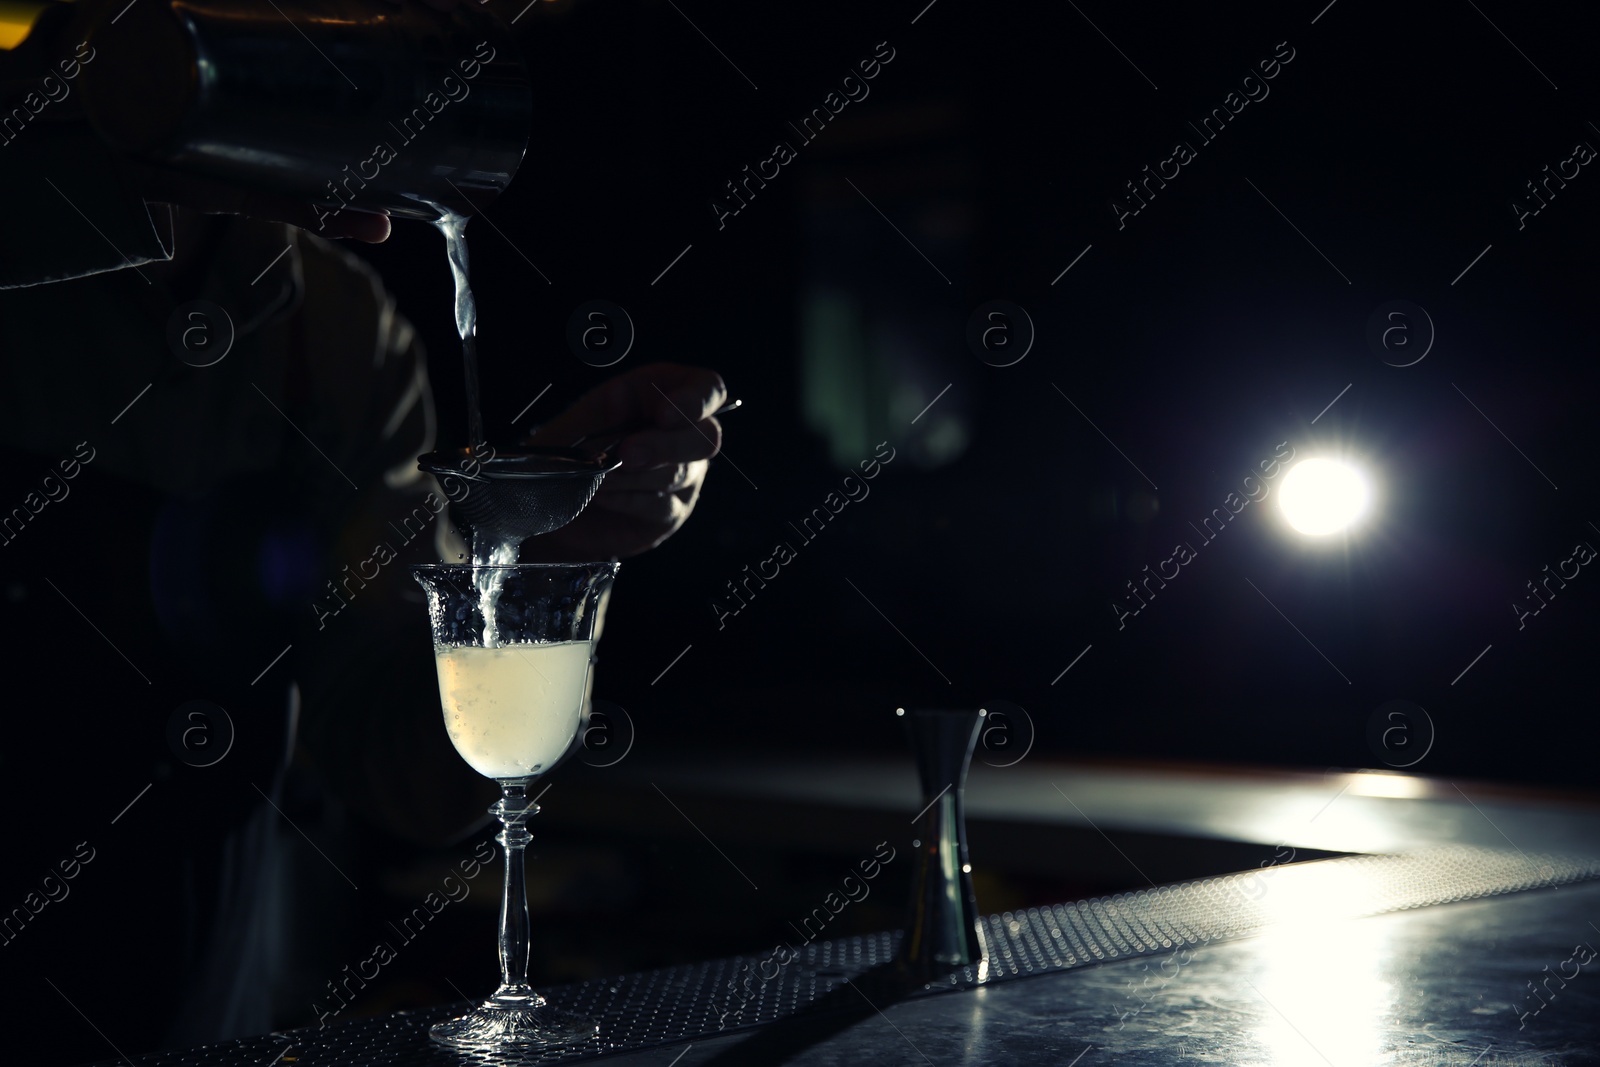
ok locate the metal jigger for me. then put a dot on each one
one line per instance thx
(944, 935)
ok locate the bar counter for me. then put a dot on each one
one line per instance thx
(1457, 927)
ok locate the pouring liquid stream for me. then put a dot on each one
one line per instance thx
(488, 554)
(454, 228)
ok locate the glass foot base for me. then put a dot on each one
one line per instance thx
(506, 1022)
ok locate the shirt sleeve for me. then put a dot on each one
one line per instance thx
(69, 213)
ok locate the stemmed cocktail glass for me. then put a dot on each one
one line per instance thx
(514, 645)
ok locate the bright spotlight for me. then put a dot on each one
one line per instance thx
(1322, 496)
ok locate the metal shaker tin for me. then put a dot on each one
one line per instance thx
(363, 104)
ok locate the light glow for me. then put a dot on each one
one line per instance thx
(1323, 496)
(1393, 786)
(16, 22)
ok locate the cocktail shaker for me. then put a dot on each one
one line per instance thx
(364, 104)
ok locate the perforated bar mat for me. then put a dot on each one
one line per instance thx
(694, 1000)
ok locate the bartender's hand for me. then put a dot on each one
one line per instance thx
(665, 411)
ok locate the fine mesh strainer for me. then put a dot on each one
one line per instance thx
(512, 496)
(517, 494)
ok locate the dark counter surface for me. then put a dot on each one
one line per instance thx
(1438, 987)
(1456, 928)
(1458, 955)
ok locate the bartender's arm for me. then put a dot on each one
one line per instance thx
(368, 699)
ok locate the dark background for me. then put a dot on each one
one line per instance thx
(990, 551)
(1196, 338)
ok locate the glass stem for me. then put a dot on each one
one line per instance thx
(512, 810)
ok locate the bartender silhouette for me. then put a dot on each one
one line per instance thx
(166, 529)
